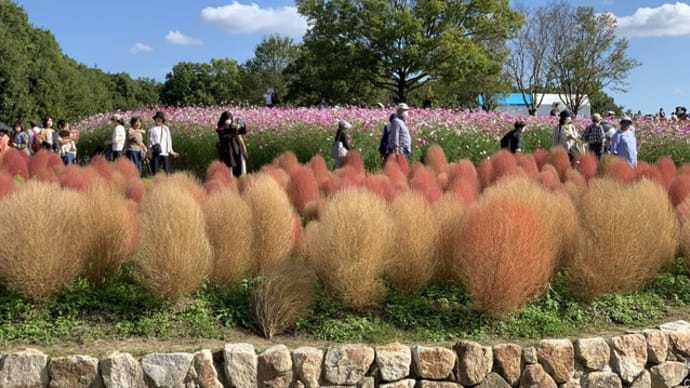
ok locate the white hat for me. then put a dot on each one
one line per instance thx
(344, 124)
(403, 106)
(116, 117)
(626, 118)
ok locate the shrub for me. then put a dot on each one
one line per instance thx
(6, 184)
(306, 245)
(15, 163)
(436, 159)
(667, 169)
(527, 163)
(587, 165)
(43, 241)
(78, 178)
(504, 164)
(175, 255)
(449, 215)
(287, 161)
(272, 223)
(557, 211)
(229, 230)
(354, 160)
(106, 216)
(679, 189)
(280, 296)
(504, 257)
(629, 234)
(485, 173)
(380, 185)
(184, 181)
(302, 188)
(396, 175)
(558, 157)
(411, 261)
(135, 190)
(354, 237)
(424, 181)
(277, 174)
(618, 169)
(320, 168)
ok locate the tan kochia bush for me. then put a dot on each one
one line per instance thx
(505, 255)
(174, 253)
(557, 211)
(281, 295)
(229, 229)
(449, 215)
(411, 261)
(272, 222)
(43, 242)
(305, 247)
(354, 236)
(106, 217)
(629, 234)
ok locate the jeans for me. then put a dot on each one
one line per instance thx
(160, 161)
(135, 157)
(69, 158)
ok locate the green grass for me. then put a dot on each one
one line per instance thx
(437, 313)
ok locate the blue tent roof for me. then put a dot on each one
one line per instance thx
(509, 99)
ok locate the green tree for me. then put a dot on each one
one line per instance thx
(587, 56)
(267, 69)
(211, 83)
(403, 44)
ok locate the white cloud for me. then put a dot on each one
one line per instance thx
(140, 48)
(239, 18)
(176, 37)
(665, 20)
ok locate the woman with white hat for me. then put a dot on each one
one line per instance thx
(624, 143)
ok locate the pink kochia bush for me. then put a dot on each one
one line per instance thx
(505, 254)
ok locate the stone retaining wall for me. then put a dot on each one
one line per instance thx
(649, 358)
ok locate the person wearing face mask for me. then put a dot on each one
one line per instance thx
(399, 139)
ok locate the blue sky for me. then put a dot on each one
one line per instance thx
(146, 38)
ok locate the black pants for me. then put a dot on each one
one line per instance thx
(160, 161)
(116, 154)
(597, 148)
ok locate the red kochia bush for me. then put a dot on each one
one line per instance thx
(286, 161)
(15, 163)
(354, 160)
(504, 255)
(620, 170)
(667, 169)
(302, 187)
(380, 185)
(424, 182)
(541, 156)
(558, 157)
(485, 172)
(6, 184)
(679, 189)
(436, 159)
(504, 164)
(527, 163)
(587, 165)
(318, 164)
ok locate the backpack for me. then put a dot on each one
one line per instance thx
(505, 140)
(383, 144)
(36, 145)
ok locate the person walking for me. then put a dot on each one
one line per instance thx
(67, 144)
(21, 139)
(160, 144)
(624, 143)
(594, 135)
(399, 138)
(231, 147)
(119, 136)
(341, 144)
(134, 146)
(565, 134)
(512, 141)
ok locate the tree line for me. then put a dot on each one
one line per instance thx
(355, 52)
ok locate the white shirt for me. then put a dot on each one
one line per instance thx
(161, 135)
(119, 137)
(269, 98)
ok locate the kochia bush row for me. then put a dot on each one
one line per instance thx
(500, 229)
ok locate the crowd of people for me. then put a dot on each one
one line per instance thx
(36, 137)
(600, 137)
